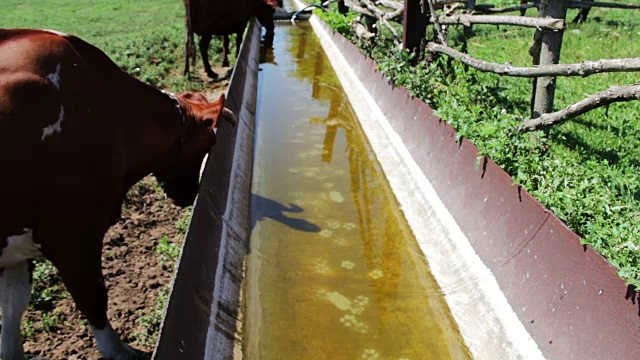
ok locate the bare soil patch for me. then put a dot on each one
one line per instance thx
(212, 88)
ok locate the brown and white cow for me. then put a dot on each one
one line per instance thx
(76, 132)
(222, 17)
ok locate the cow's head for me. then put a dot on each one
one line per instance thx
(180, 180)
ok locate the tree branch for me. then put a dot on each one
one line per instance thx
(384, 17)
(368, 8)
(609, 96)
(392, 4)
(362, 31)
(357, 8)
(381, 14)
(490, 9)
(538, 23)
(440, 3)
(435, 22)
(583, 69)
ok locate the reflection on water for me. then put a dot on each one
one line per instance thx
(266, 54)
(339, 276)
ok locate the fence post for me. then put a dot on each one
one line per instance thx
(415, 26)
(468, 30)
(550, 44)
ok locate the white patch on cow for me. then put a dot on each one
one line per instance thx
(55, 77)
(19, 248)
(110, 345)
(53, 128)
(15, 292)
(56, 32)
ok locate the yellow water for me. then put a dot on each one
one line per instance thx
(334, 270)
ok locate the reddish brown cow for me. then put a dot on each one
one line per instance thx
(76, 132)
(221, 17)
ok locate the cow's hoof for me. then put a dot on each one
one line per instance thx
(212, 75)
(128, 353)
(123, 352)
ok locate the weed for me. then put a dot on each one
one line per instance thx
(183, 224)
(28, 330)
(50, 321)
(167, 251)
(149, 325)
(43, 296)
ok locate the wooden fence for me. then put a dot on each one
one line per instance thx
(549, 25)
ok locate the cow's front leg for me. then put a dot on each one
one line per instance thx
(205, 41)
(80, 268)
(15, 292)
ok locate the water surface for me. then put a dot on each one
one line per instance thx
(334, 270)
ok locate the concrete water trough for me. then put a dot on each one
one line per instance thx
(516, 280)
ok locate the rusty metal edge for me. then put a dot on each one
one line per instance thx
(200, 318)
(568, 297)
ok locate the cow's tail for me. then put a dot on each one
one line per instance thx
(190, 50)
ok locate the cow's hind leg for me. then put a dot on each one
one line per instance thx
(225, 50)
(15, 293)
(239, 42)
(205, 41)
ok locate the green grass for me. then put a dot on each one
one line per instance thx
(167, 251)
(44, 297)
(145, 37)
(587, 169)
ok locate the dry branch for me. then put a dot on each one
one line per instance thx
(391, 4)
(446, 2)
(609, 96)
(357, 8)
(381, 14)
(583, 69)
(490, 9)
(368, 8)
(436, 24)
(545, 24)
(362, 31)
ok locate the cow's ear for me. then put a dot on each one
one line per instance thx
(211, 112)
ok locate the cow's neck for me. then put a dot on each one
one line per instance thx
(153, 129)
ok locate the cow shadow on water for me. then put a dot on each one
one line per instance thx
(264, 208)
